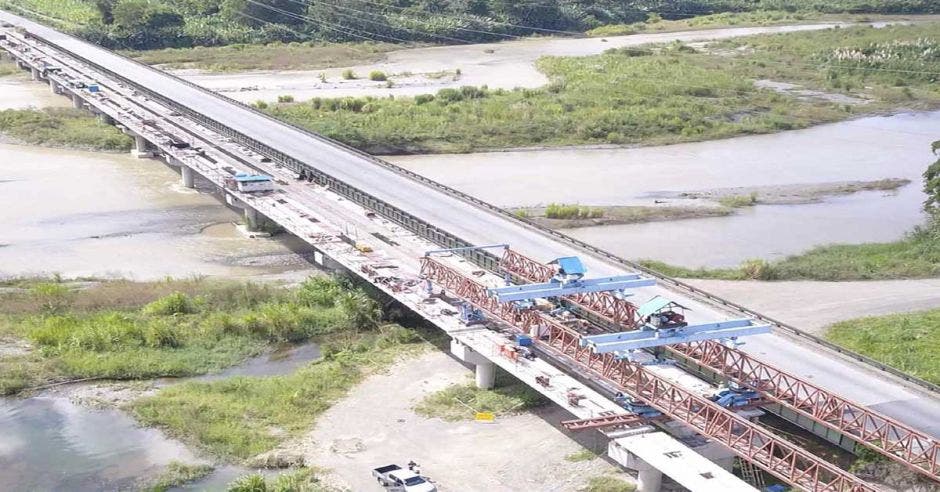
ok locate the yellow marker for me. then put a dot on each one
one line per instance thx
(484, 417)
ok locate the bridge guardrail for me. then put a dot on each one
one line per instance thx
(487, 258)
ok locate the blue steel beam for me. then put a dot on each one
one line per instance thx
(556, 289)
(639, 339)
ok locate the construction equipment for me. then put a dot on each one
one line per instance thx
(568, 280)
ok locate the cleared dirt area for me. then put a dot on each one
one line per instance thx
(376, 425)
(814, 305)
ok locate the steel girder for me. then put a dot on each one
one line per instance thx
(893, 439)
(779, 457)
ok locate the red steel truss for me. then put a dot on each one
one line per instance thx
(783, 459)
(883, 434)
(895, 440)
(617, 310)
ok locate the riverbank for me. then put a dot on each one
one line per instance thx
(61, 128)
(584, 103)
(54, 332)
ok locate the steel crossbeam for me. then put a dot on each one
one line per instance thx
(878, 432)
(777, 456)
(602, 421)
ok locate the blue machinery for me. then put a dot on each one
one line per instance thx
(660, 322)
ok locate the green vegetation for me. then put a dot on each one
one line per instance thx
(62, 127)
(738, 201)
(605, 483)
(563, 211)
(462, 401)
(119, 330)
(348, 74)
(144, 24)
(378, 76)
(7, 67)
(240, 417)
(655, 23)
(634, 95)
(906, 341)
(308, 55)
(285, 98)
(303, 480)
(177, 474)
(612, 215)
(583, 454)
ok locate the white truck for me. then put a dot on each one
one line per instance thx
(397, 479)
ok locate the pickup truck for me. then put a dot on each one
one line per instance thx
(397, 479)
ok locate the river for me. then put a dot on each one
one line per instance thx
(53, 442)
(868, 148)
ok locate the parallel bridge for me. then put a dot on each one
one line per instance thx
(401, 215)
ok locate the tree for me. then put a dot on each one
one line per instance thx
(932, 184)
(258, 13)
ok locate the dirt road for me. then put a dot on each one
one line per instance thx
(375, 425)
(814, 305)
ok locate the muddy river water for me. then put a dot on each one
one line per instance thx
(869, 148)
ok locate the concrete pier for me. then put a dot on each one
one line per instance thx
(35, 72)
(141, 147)
(53, 87)
(187, 177)
(251, 218)
(77, 101)
(486, 375)
(105, 119)
(649, 480)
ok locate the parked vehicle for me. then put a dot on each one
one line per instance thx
(397, 479)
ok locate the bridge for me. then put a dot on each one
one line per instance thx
(376, 220)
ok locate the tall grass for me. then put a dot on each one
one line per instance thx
(62, 127)
(570, 212)
(905, 341)
(233, 418)
(175, 335)
(460, 401)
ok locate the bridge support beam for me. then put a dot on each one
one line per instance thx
(187, 177)
(486, 375)
(484, 368)
(53, 87)
(77, 101)
(252, 218)
(35, 72)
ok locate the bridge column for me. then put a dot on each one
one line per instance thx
(187, 177)
(53, 87)
(105, 119)
(486, 375)
(77, 101)
(141, 147)
(251, 219)
(35, 72)
(649, 479)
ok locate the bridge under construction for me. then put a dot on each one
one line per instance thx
(656, 366)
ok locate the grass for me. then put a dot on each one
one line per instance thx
(62, 127)
(273, 56)
(915, 256)
(738, 201)
(241, 417)
(905, 341)
(177, 474)
(76, 334)
(570, 216)
(8, 67)
(663, 94)
(584, 454)
(725, 19)
(303, 480)
(605, 483)
(461, 401)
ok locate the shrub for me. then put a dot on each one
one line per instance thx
(424, 98)
(175, 303)
(285, 99)
(348, 74)
(52, 297)
(261, 105)
(377, 76)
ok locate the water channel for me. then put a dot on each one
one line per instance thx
(868, 148)
(53, 442)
